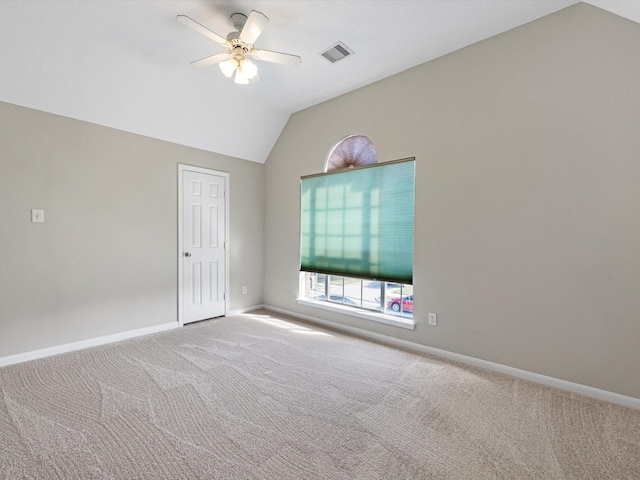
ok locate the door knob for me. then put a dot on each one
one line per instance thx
(187, 254)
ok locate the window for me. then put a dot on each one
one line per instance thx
(372, 295)
(356, 237)
(359, 222)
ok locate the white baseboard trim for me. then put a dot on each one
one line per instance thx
(92, 342)
(244, 310)
(577, 388)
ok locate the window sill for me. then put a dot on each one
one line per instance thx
(407, 323)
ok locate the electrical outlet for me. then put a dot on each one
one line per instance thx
(244, 289)
(37, 216)
(432, 319)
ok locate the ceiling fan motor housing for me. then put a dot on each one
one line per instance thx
(239, 52)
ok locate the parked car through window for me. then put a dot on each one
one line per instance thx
(405, 304)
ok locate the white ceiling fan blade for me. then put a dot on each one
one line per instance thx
(276, 57)
(211, 60)
(253, 27)
(201, 29)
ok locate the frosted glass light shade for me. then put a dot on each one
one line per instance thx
(249, 68)
(228, 67)
(241, 77)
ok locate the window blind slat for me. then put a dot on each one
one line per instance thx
(359, 222)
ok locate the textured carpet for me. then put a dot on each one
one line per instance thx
(260, 396)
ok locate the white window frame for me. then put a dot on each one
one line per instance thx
(359, 312)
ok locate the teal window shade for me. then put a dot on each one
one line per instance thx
(359, 222)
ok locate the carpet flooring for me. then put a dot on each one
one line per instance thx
(259, 396)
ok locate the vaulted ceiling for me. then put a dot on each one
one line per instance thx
(126, 64)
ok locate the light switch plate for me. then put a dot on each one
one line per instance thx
(37, 216)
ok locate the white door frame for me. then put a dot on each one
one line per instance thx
(182, 168)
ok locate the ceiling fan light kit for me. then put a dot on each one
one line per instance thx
(235, 62)
(228, 67)
(243, 68)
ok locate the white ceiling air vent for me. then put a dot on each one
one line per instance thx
(337, 52)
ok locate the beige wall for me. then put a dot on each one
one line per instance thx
(105, 260)
(527, 241)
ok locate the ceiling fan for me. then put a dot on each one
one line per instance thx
(235, 62)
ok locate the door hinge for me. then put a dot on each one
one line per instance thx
(224, 296)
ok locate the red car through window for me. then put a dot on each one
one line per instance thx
(407, 304)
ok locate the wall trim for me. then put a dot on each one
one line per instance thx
(244, 310)
(82, 344)
(577, 388)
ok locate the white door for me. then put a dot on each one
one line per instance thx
(203, 246)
